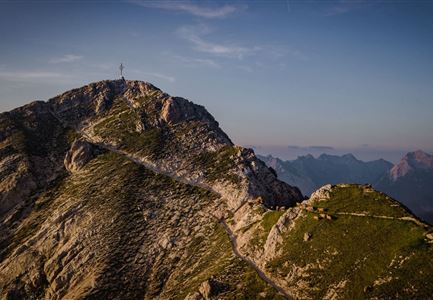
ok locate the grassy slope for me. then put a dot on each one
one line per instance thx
(212, 256)
(360, 250)
(110, 182)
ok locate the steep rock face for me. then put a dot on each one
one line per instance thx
(412, 161)
(32, 147)
(79, 155)
(176, 109)
(411, 182)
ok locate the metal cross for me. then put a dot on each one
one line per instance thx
(121, 69)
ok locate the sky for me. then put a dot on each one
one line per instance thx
(356, 76)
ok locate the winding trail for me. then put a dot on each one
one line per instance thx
(148, 165)
(409, 219)
(230, 234)
(157, 170)
(250, 262)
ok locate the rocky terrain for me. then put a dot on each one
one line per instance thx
(117, 190)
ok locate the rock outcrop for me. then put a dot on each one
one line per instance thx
(79, 155)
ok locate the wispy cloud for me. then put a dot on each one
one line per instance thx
(320, 148)
(277, 52)
(196, 34)
(344, 7)
(200, 38)
(67, 58)
(245, 68)
(155, 75)
(17, 75)
(210, 12)
(162, 76)
(30, 76)
(296, 53)
(206, 62)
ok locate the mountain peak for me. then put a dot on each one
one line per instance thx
(416, 160)
(421, 157)
(170, 134)
(349, 156)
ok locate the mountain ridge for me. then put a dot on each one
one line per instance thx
(117, 190)
(170, 132)
(310, 173)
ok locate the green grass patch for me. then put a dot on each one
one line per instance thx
(359, 199)
(356, 249)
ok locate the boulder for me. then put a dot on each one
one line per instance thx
(210, 288)
(79, 155)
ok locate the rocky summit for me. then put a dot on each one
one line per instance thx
(117, 190)
(411, 182)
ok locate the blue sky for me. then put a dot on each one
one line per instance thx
(345, 74)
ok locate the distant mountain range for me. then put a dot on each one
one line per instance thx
(410, 181)
(310, 173)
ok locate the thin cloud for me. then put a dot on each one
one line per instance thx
(198, 37)
(278, 52)
(345, 6)
(308, 148)
(30, 75)
(67, 58)
(296, 53)
(197, 61)
(191, 8)
(245, 68)
(194, 35)
(155, 75)
(162, 76)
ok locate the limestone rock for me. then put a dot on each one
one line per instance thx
(321, 194)
(79, 155)
(210, 288)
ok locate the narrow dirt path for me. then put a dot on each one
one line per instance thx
(155, 169)
(147, 164)
(251, 263)
(409, 219)
(230, 234)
